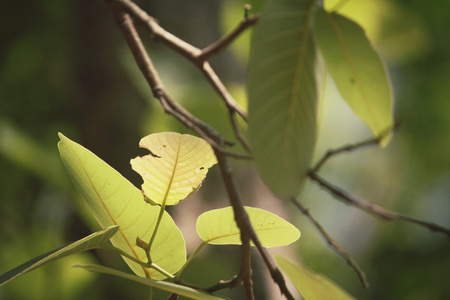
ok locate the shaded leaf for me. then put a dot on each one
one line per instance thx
(175, 168)
(218, 227)
(92, 241)
(162, 285)
(29, 153)
(115, 201)
(283, 95)
(356, 69)
(312, 286)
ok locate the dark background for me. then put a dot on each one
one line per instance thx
(64, 67)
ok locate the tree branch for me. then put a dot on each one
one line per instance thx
(197, 56)
(374, 209)
(333, 243)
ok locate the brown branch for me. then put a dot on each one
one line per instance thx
(242, 221)
(333, 243)
(195, 55)
(368, 207)
(149, 72)
(374, 209)
(247, 231)
(225, 41)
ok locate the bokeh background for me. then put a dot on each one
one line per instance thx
(64, 67)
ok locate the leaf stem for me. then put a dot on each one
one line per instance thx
(134, 259)
(158, 222)
(200, 247)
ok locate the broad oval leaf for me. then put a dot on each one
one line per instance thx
(175, 168)
(357, 70)
(163, 285)
(283, 95)
(312, 286)
(92, 241)
(217, 227)
(113, 200)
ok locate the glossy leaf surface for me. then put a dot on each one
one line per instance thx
(311, 285)
(92, 241)
(218, 227)
(163, 285)
(356, 69)
(176, 167)
(283, 94)
(115, 201)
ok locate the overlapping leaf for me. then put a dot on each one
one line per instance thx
(356, 69)
(162, 285)
(176, 167)
(311, 285)
(218, 227)
(92, 241)
(283, 94)
(115, 201)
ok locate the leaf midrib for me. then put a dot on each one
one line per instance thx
(169, 185)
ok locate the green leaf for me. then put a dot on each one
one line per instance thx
(312, 286)
(115, 201)
(176, 167)
(163, 285)
(93, 241)
(218, 227)
(283, 95)
(356, 69)
(31, 155)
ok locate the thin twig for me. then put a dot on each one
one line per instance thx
(225, 41)
(333, 243)
(352, 147)
(374, 209)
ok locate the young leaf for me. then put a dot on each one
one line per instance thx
(115, 201)
(162, 285)
(356, 69)
(283, 94)
(175, 168)
(218, 227)
(93, 241)
(311, 285)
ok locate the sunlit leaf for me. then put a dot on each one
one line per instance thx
(283, 94)
(356, 69)
(115, 201)
(312, 286)
(162, 285)
(175, 168)
(218, 227)
(93, 241)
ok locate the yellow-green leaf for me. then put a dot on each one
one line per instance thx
(113, 200)
(356, 69)
(283, 94)
(162, 285)
(175, 168)
(312, 286)
(218, 227)
(92, 241)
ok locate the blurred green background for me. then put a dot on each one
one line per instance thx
(64, 67)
